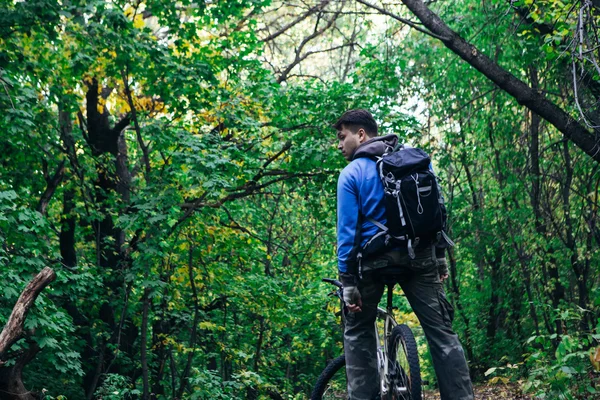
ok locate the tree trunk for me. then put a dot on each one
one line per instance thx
(11, 379)
(107, 140)
(458, 303)
(558, 292)
(144, 344)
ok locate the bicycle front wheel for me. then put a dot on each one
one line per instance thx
(405, 371)
(332, 383)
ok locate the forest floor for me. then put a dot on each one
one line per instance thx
(489, 392)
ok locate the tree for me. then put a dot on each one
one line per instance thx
(506, 81)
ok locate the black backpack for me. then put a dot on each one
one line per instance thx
(414, 206)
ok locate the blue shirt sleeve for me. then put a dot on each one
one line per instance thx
(348, 224)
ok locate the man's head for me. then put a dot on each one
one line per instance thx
(354, 128)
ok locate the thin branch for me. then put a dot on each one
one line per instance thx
(274, 157)
(316, 32)
(306, 76)
(4, 83)
(246, 190)
(138, 133)
(403, 20)
(301, 18)
(52, 185)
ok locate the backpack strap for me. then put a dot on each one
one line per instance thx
(447, 239)
(378, 224)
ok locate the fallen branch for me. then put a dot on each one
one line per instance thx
(13, 330)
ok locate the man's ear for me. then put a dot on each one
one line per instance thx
(362, 135)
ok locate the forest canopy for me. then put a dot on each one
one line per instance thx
(174, 164)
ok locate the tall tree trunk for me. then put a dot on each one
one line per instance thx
(113, 178)
(558, 291)
(67, 231)
(193, 329)
(576, 265)
(458, 303)
(144, 344)
(494, 304)
(511, 229)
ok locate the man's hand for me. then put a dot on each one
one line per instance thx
(442, 269)
(351, 293)
(352, 299)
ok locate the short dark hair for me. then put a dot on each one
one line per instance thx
(356, 119)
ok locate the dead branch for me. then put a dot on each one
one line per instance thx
(13, 330)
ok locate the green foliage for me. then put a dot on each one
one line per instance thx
(116, 387)
(208, 385)
(561, 371)
(192, 246)
(24, 252)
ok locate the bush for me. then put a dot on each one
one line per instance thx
(116, 387)
(565, 373)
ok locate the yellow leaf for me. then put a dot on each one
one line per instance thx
(128, 11)
(138, 21)
(207, 325)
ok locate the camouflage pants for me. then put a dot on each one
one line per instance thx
(425, 293)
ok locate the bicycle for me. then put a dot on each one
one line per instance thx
(397, 358)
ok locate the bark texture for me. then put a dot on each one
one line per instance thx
(11, 383)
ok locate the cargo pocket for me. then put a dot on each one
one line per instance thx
(424, 265)
(447, 309)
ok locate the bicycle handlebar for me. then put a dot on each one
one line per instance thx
(333, 282)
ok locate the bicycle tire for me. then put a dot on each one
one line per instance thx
(329, 382)
(403, 353)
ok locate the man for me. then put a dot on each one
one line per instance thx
(360, 197)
